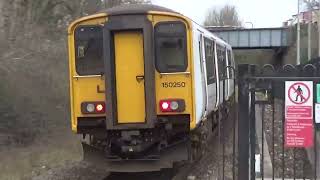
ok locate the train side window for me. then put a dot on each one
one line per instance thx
(221, 55)
(200, 49)
(209, 55)
(89, 50)
(171, 47)
(230, 64)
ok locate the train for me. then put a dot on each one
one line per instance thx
(148, 86)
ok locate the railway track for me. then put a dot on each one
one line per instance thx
(203, 169)
(212, 163)
(190, 170)
(162, 175)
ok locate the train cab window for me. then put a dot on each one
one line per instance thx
(210, 59)
(89, 50)
(171, 50)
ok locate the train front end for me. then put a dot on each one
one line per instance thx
(131, 87)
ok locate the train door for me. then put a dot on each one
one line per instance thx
(227, 74)
(221, 56)
(231, 73)
(129, 73)
(129, 70)
(201, 78)
(209, 50)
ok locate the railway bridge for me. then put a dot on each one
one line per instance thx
(257, 38)
(257, 45)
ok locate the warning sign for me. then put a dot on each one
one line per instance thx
(299, 92)
(299, 114)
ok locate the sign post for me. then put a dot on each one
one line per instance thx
(318, 93)
(317, 108)
(299, 114)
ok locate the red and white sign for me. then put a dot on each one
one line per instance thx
(299, 114)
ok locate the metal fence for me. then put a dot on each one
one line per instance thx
(264, 145)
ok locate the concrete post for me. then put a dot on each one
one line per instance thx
(298, 33)
(309, 36)
(318, 13)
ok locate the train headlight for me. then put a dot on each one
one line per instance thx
(172, 105)
(100, 108)
(165, 105)
(93, 107)
(90, 108)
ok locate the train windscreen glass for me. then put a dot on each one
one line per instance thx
(170, 41)
(89, 50)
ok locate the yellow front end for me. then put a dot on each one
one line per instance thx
(129, 70)
(131, 87)
(83, 88)
(176, 85)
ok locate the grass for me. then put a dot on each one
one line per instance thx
(21, 163)
(35, 112)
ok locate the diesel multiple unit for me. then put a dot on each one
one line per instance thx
(147, 86)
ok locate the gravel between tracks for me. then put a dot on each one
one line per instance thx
(207, 168)
(290, 157)
(213, 165)
(71, 171)
(204, 169)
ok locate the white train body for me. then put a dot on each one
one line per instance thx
(214, 68)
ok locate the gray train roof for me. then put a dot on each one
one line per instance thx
(136, 9)
(145, 8)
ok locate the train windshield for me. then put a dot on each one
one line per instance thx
(170, 41)
(89, 50)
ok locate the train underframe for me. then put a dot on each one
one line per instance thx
(142, 150)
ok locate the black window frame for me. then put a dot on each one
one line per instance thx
(211, 77)
(185, 44)
(76, 50)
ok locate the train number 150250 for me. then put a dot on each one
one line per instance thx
(173, 84)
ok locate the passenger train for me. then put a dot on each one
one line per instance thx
(147, 87)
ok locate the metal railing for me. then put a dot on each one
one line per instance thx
(263, 153)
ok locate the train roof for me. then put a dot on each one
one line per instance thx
(211, 35)
(136, 9)
(145, 8)
(131, 9)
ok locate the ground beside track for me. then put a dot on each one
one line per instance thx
(207, 168)
(212, 165)
(73, 171)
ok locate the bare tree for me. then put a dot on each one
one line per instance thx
(112, 3)
(226, 16)
(312, 4)
(21, 16)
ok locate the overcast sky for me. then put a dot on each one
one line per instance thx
(262, 13)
